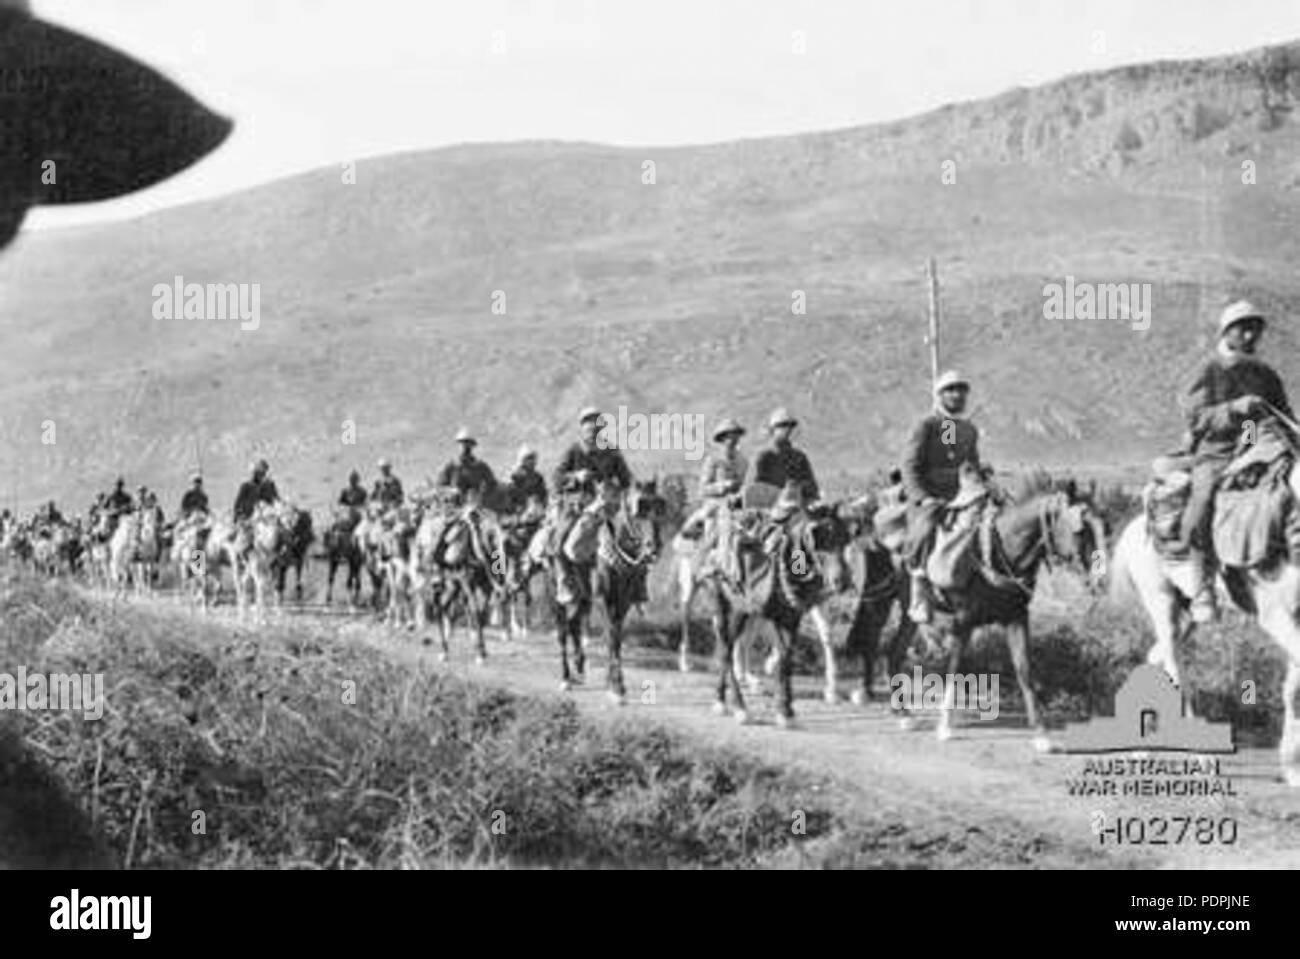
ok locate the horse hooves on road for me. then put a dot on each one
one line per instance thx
(741, 717)
(565, 686)
(943, 733)
(832, 697)
(719, 709)
(618, 699)
(480, 660)
(1043, 743)
(859, 698)
(785, 722)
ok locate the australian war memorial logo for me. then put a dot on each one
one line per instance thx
(1151, 747)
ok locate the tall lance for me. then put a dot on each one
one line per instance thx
(932, 282)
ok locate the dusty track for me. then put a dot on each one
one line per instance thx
(986, 788)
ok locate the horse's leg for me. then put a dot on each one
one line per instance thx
(958, 638)
(821, 622)
(1277, 617)
(1018, 643)
(478, 610)
(686, 592)
(864, 640)
(787, 631)
(562, 639)
(615, 611)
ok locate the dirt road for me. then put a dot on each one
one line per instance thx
(984, 789)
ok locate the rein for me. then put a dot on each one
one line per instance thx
(993, 552)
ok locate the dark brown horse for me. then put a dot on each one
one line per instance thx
(342, 548)
(630, 540)
(783, 576)
(1045, 524)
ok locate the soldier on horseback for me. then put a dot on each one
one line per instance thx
(195, 500)
(467, 473)
(526, 483)
(353, 495)
(780, 463)
(587, 465)
(388, 488)
(721, 479)
(118, 501)
(939, 445)
(1232, 391)
(259, 488)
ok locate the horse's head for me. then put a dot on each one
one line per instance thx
(832, 528)
(1062, 526)
(645, 512)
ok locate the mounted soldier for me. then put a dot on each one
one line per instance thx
(118, 501)
(939, 446)
(353, 496)
(526, 484)
(780, 463)
(467, 474)
(722, 477)
(195, 500)
(590, 464)
(1232, 393)
(388, 488)
(259, 488)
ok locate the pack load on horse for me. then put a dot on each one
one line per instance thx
(1226, 507)
(526, 500)
(777, 576)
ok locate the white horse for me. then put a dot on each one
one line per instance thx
(1273, 592)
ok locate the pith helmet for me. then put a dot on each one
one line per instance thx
(526, 452)
(727, 427)
(781, 417)
(950, 379)
(1235, 313)
(589, 413)
(463, 435)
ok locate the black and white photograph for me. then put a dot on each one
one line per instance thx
(578, 435)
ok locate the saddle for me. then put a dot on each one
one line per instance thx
(955, 557)
(778, 566)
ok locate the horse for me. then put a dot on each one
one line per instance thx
(462, 563)
(629, 541)
(343, 547)
(831, 538)
(1046, 523)
(135, 549)
(253, 548)
(99, 545)
(522, 565)
(781, 577)
(1270, 594)
(193, 557)
(369, 535)
(299, 537)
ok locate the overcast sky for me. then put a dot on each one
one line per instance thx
(316, 82)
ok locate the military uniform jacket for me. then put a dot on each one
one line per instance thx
(353, 497)
(524, 485)
(934, 455)
(1215, 429)
(250, 494)
(780, 465)
(603, 463)
(388, 491)
(719, 472)
(468, 475)
(118, 502)
(194, 501)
